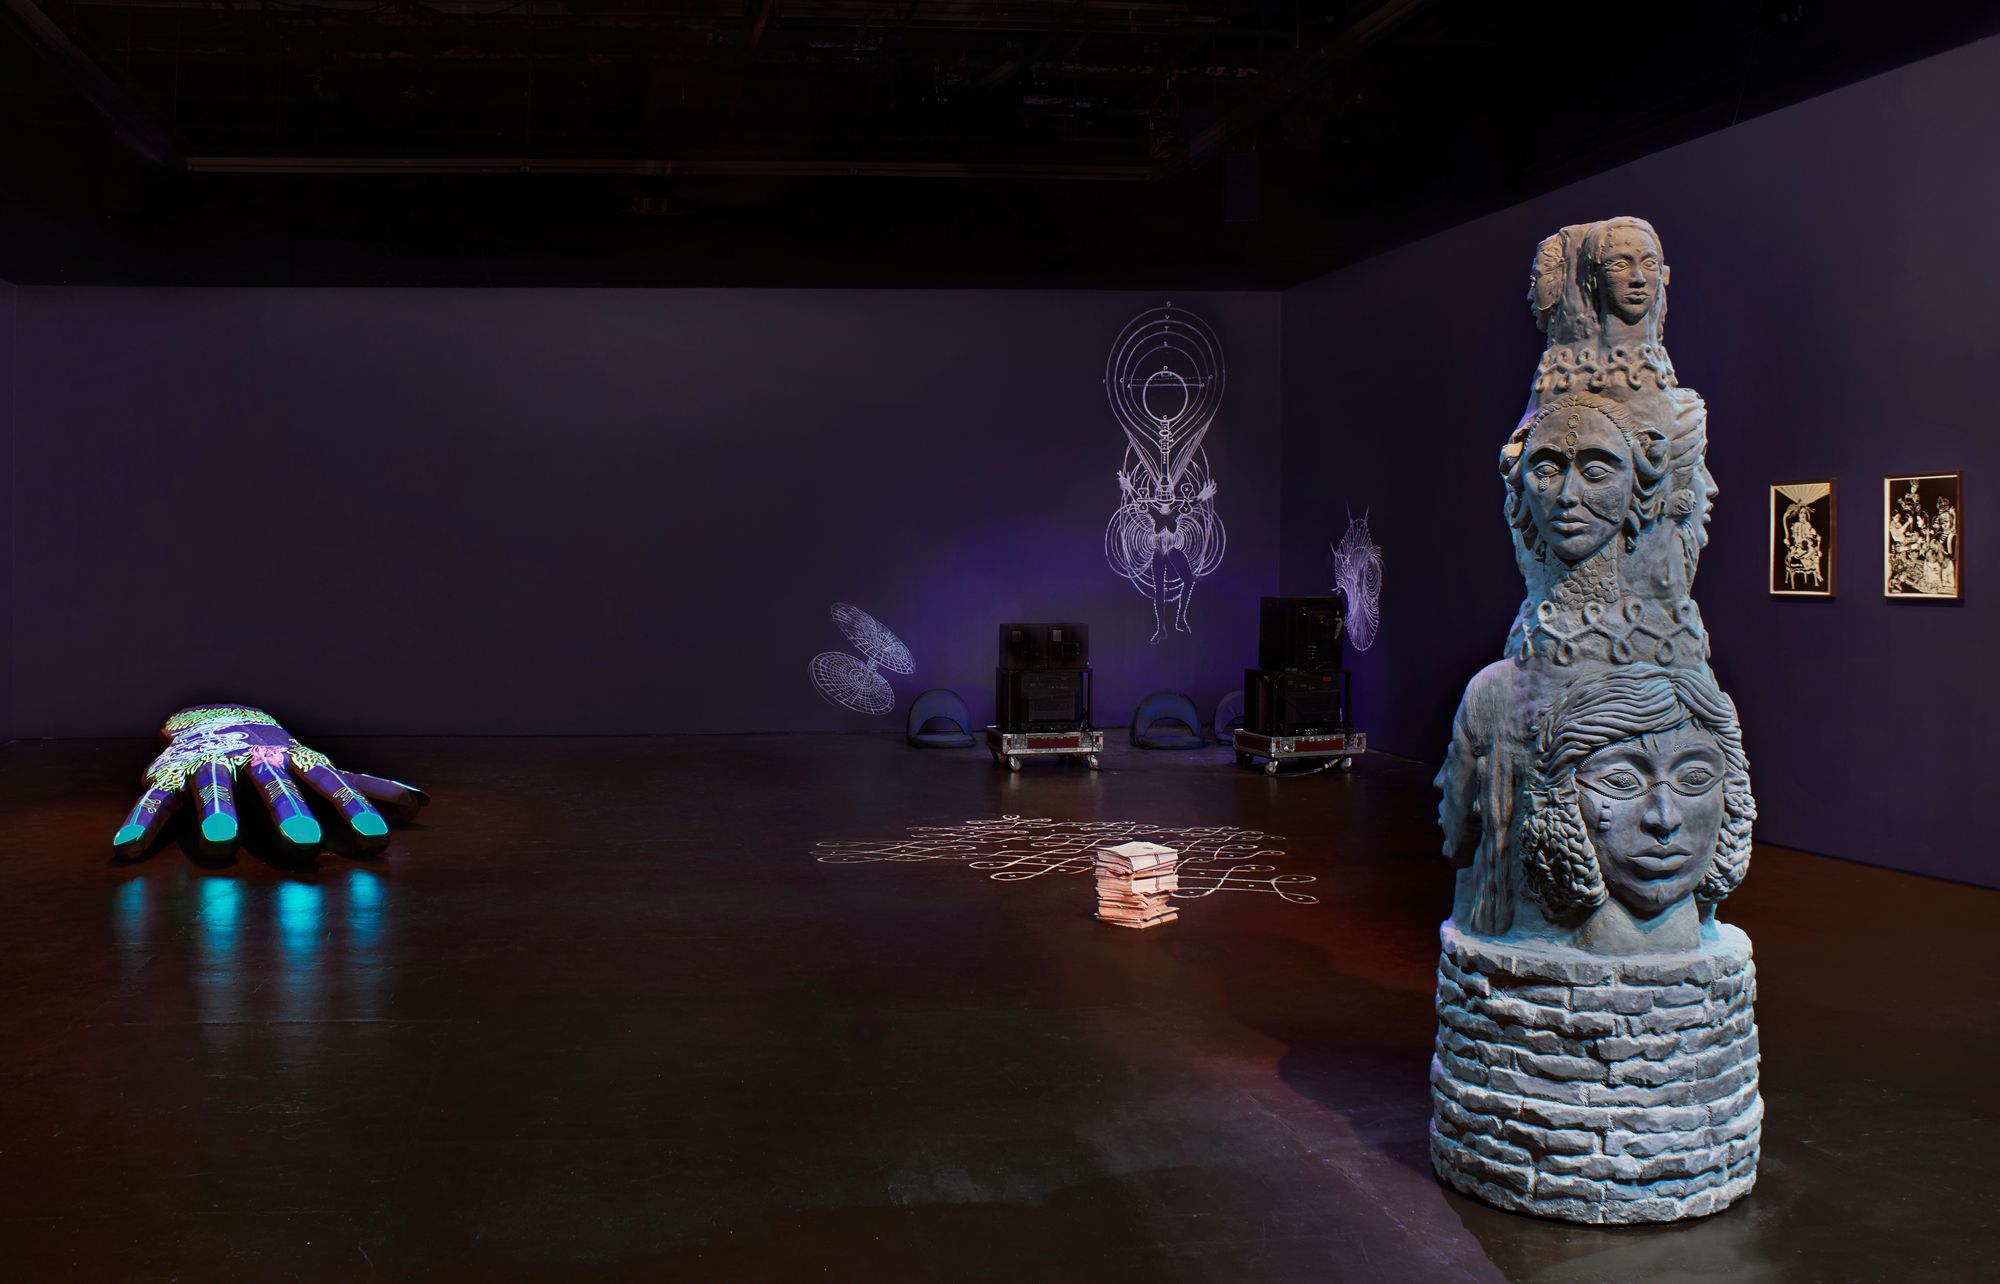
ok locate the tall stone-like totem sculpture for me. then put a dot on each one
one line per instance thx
(1596, 1055)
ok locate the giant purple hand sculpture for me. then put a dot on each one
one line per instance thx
(210, 746)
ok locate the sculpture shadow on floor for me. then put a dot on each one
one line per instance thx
(1358, 1049)
(1088, 1231)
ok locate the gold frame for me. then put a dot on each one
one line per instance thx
(1889, 482)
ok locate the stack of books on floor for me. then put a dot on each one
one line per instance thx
(1135, 882)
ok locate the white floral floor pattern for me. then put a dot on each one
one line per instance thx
(1213, 858)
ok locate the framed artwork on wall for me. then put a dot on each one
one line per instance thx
(1804, 528)
(1921, 536)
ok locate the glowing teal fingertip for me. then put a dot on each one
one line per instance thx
(129, 834)
(370, 825)
(219, 828)
(302, 830)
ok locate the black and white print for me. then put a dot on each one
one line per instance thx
(1803, 528)
(1921, 535)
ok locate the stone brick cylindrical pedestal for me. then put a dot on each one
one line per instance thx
(1595, 1089)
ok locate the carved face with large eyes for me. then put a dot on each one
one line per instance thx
(1577, 483)
(1629, 273)
(1653, 808)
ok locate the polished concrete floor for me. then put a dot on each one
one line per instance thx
(604, 1016)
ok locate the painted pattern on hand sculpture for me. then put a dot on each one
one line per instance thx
(210, 748)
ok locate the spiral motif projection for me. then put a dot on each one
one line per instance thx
(853, 682)
(1164, 380)
(1357, 572)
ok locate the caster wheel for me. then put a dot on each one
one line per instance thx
(1091, 762)
(1013, 764)
(1271, 767)
(1242, 759)
(1347, 764)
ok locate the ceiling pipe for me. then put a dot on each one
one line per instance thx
(140, 132)
(1280, 91)
(758, 22)
(1271, 97)
(420, 165)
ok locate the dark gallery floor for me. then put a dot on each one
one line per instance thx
(627, 1010)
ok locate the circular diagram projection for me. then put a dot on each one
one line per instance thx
(854, 682)
(873, 639)
(1164, 380)
(1357, 572)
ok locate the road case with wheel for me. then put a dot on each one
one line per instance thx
(1326, 748)
(1010, 748)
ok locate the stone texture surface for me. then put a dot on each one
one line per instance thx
(1596, 1090)
(1596, 1056)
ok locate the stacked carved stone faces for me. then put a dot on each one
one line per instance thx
(1596, 1056)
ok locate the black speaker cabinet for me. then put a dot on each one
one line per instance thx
(1041, 699)
(1024, 646)
(1045, 646)
(1069, 646)
(1300, 633)
(1290, 702)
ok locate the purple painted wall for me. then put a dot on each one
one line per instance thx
(559, 511)
(1833, 299)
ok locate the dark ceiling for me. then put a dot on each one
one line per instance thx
(1080, 142)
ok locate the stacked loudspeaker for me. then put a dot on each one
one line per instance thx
(1043, 682)
(1298, 686)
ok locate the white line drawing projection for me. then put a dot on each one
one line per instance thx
(855, 683)
(851, 683)
(1357, 572)
(1213, 858)
(872, 638)
(1164, 379)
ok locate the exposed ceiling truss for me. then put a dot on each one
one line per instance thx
(676, 140)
